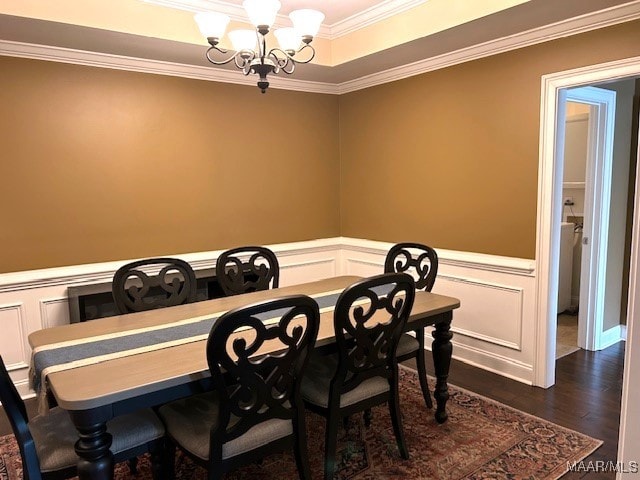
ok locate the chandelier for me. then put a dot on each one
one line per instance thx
(251, 55)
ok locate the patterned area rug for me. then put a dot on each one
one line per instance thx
(482, 439)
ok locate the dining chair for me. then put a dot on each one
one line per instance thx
(135, 290)
(46, 442)
(422, 261)
(255, 408)
(260, 270)
(368, 320)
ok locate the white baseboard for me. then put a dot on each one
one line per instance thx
(612, 336)
(495, 363)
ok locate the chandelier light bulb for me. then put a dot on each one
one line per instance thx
(252, 53)
(212, 24)
(288, 38)
(261, 12)
(306, 21)
(243, 39)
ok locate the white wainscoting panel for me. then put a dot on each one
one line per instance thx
(12, 323)
(493, 329)
(363, 267)
(13, 343)
(308, 271)
(54, 312)
(478, 317)
(494, 326)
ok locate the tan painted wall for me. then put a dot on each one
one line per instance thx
(450, 157)
(102, 165)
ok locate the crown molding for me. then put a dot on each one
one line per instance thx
(119, 62)
(371, 15)
(584, 23)
(604, 18)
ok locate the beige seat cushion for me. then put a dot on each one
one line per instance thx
(54, 436)
(407, 345)
(318, 376)
(189, 422)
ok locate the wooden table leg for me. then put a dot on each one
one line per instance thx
(442, 349)
(96, 460)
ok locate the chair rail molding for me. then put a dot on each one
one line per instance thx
(492, 329)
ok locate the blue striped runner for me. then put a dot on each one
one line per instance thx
(57, 357)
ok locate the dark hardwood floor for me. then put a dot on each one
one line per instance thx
(586, 397)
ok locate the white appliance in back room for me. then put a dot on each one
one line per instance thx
(566, 266)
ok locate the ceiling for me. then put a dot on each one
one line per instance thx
(361, 43)
(335, 11)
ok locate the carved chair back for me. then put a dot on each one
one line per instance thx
(134, 290)
(260, 272)
(368, 320)
(424, 264)
(254, 388)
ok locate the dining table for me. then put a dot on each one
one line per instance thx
(99, 369)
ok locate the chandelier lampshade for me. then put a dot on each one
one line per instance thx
(251, 54)
(243, 39)
(307, 21)
(262, 12)
(212, 24)
(288, 38)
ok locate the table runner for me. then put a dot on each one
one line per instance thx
(61, 356)
(56, 357)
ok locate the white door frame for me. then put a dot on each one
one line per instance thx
(549, 203)
(597, 203)
(547, 243)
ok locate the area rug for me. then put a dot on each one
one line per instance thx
(482, 439)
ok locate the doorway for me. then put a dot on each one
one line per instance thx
(586, 140)
(548, 233)
(576, 142)
(556, 90)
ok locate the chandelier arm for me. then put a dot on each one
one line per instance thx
(224, 52)
(288, 57)
(243, 60)
(303, 48)
(280, 61)
(286, 64)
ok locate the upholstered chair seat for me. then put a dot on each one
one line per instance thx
(320, 372)
(55, 435)
(190, 420)
(47, 442)
(407, 345)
